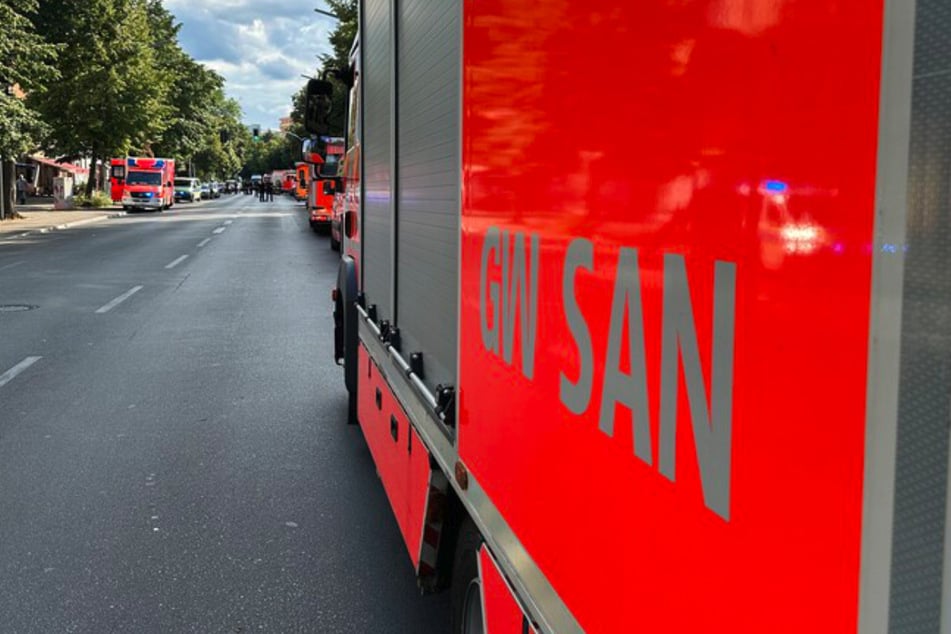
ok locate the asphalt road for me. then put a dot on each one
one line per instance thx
(174, 454)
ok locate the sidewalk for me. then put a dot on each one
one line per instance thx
(40, 217)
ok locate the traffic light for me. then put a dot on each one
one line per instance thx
(256, 132)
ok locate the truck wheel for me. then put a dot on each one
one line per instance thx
(466, 589)
(352, 408)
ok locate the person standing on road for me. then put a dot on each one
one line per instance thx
(21, 190)
(270, 192)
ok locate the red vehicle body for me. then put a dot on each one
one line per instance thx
(323, 159)
(116, 179)
(302, 183)
(284, 181)
(143, 183)
(699, 381)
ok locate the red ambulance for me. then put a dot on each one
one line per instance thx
(143, 183)
(644, 309)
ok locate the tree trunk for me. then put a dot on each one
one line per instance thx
(93, 175)
(7, 196)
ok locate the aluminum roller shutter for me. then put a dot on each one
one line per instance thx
(921, 539)
(376, 233)
(428, 181)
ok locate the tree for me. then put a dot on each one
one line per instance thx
(204, 128)
(226, 138)
(112, 96)
(26, 63)
(341, 40)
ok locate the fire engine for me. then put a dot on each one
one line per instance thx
(116, 179)
(143, 183)
(303, 180)
(323, 158)
(643, 308)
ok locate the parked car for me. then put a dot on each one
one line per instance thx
(187, 189)
(215, 187)
(205, 191)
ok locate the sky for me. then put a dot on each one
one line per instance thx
(260, 47)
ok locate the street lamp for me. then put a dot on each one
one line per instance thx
(301, 140)
(327, 13)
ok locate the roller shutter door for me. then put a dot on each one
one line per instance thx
(428, 181)
(377, 174)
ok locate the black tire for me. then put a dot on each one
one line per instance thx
(352, 408)
(465, 591)
(334, 244)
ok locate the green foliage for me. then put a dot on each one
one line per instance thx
(341, 40)
(128, 88)
(26, 61)
(96, 200)
(111, 97)
(272, 152)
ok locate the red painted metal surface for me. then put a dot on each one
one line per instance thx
(400, 457)
(502, 612)
(135, 167)
(116, 182)
(734, 131)
(303, 180)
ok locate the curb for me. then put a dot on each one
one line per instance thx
(67, 225)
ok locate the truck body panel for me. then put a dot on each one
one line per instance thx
(149, 183)
(697, 379)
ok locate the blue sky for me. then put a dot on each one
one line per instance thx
(261, 47)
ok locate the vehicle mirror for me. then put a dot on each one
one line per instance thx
(317, 107)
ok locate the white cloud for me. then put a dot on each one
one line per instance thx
(260, 47)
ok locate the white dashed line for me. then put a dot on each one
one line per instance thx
(11, 265)
(218, 230)
(176, 261)
(10, 374)
(118, 300)
(228, 222)
(204, 242)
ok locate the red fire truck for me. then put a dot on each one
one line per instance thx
(322, 156)
(116, 179)
(302, 184)
(143, 183)
(643, 309)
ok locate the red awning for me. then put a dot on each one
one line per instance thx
(66, 167)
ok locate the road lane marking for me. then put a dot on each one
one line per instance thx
(118, 300)
(11, 265)
(218, 230)
(10, 374)
(228, 222)
(204, 242)
(176, 262)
